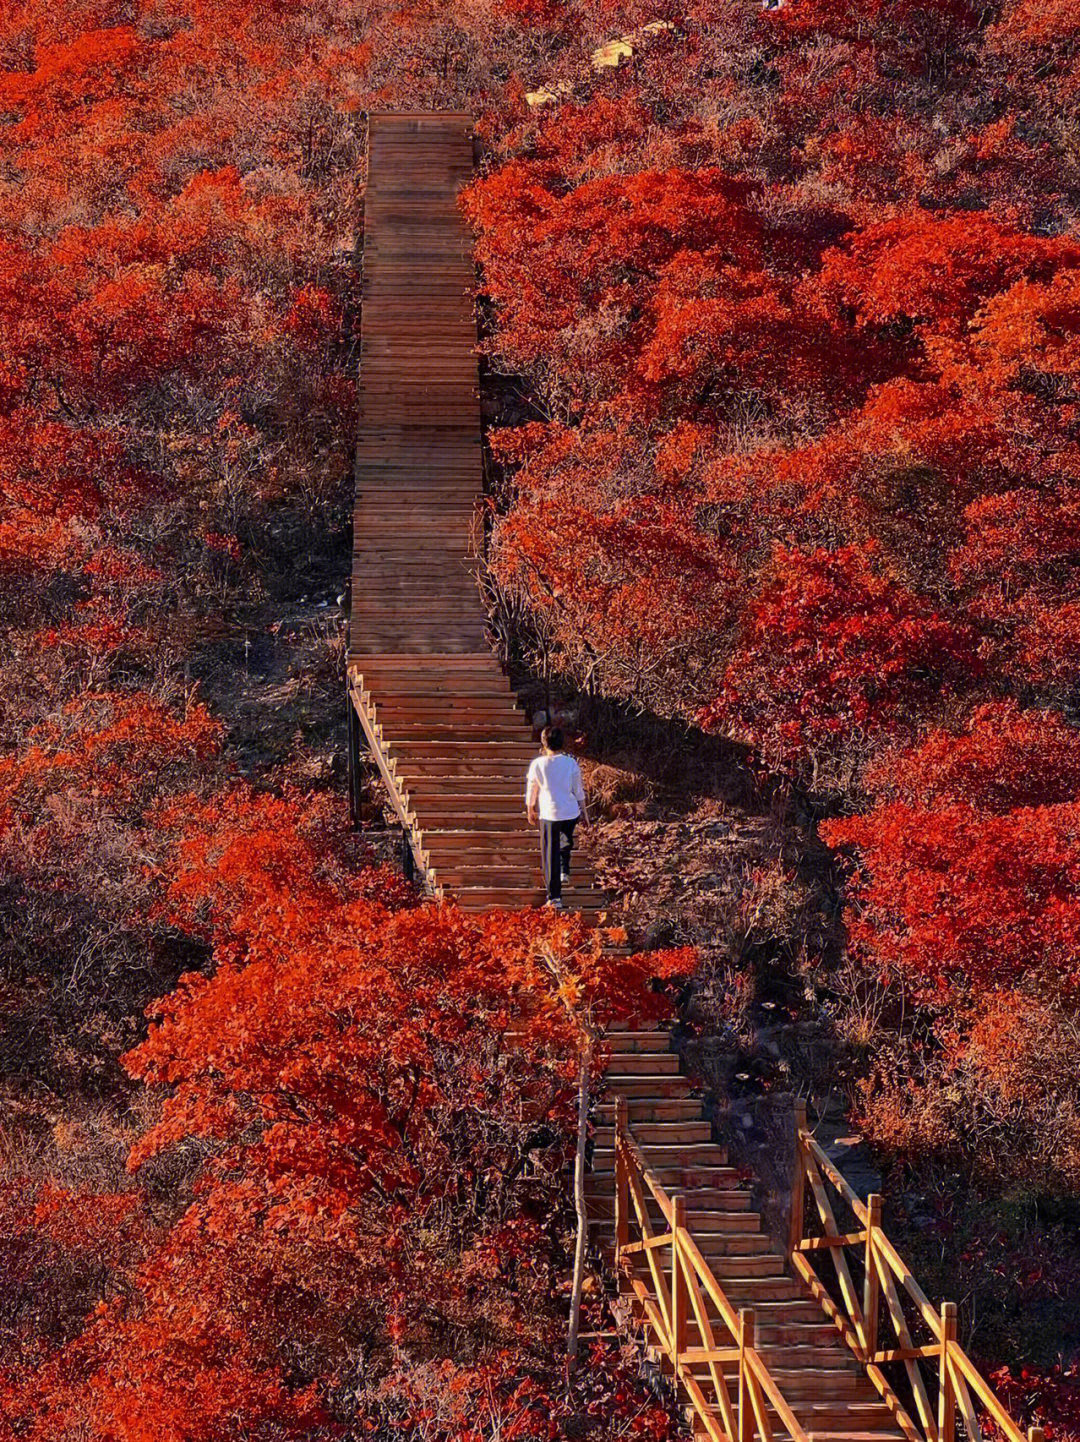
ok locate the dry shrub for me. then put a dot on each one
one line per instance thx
(778, 911)
(615, 788)
(860, 1009)
(998, 1095)
(723, 1000)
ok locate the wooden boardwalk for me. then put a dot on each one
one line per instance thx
(418, 463)
(819, 1388)
(441, 721)
(827, 1339)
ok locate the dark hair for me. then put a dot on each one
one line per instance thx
(552, 738)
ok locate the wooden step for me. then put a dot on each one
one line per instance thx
(430, 710)
(725, 1259)
(845, 1416)
(491, 898)
(383, 563)
(653, 1109)
(676, 1168)
(799, 1335)
(479, 662)
(508, 809)
(648, 1064)
(487, 845)
(621, 1043)
(488, 842)
(516, 825)
(419, 685)
(797, 1311)
(646, 1085)
(433, 600)
(466, 877)
(474, 807)
(656, 1138)
(741, 1292)
(416, 690)
(396, 734)
(723, 1249)
(797, 1370)
(502, 896)
(727, 1218)
(508, 752)
(411, 764)
(730, 1204)
(746, 1289)
(492, 822)
(704, 1221)
(509, 788)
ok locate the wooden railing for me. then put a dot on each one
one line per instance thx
(879, 1288)
(682, 1290)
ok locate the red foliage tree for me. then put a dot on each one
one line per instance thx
(968, 860)
(626, 587)
(359, 1087)
(934, 271)
(833, 653)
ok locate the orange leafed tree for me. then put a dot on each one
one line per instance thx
(359, 1088)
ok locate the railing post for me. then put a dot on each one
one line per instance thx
(1035, 1434)
(747, 1421)
(871, 1281)
(353, 746)
(622, 1182)
(679, 1295)
(798, 1180)
(947, 1392)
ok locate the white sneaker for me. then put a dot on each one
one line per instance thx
(565, 877)
(555, 904)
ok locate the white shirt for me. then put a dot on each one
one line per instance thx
(555, 781)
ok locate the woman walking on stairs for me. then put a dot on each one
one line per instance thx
(555, 796)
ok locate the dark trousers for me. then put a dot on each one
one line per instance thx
(556, 843)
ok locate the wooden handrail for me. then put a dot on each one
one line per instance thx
(858, 1319)
(677, 1299)
(711, 1286)
(359, 707)
(648, 1176)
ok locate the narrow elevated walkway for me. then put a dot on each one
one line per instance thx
(441, 721)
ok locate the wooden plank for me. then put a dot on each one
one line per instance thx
(660, 1287)
(709, 1351)
(839, 1182)
(966, 1371)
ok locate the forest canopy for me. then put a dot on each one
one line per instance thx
(791, 303)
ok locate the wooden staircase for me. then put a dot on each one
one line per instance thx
(453, 749)
(441, 721)
(752, 1340)
(825, 1386)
